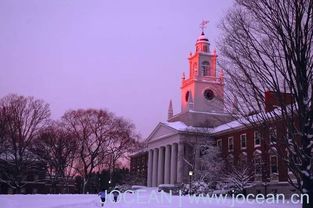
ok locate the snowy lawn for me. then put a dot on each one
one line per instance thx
(142, 199)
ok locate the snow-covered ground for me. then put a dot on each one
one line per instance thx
(147, 198)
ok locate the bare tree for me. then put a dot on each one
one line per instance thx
(93, 130)
(267, 45)
(57, 149)
(123, 141)
(3, 131)
(24, 118)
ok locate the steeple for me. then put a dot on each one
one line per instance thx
(202, 90)
(170, 110)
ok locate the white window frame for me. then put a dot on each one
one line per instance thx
(230, 159)
(271, 171)
(259, 157)
(255, 137)
(243, 158)
(232, 139)
(219, 143)
(272, 130)
(243, 136)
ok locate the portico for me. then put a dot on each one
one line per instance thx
(163, 163)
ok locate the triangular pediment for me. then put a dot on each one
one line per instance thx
(161, 131)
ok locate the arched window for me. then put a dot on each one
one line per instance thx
(187, 96)
(230, 144)
(273, 135)
(257, 160)
(230, 160)
(257, 138)
(205, 68)
(273, 163)
(243, 160)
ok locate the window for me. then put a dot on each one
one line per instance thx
(230, 160)
(205, 48)
(243, 141)
(257, 138)
(187, 96)
(243, 159)
(258, 165)
(230, 144)
(219, 143)
(205, 68)
(273, 135)
(274, 164)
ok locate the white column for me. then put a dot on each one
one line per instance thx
(155, 168)
(180, 163)
(161, 166)
(173, 163)
(150, 164)
(167, 166)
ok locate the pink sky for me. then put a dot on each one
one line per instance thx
(124, 56)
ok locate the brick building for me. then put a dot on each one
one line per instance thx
(203, 120)
(35, 181)
(138, 164)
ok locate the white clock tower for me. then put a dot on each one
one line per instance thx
(202, 92)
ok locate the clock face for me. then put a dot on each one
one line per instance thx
(208, 94)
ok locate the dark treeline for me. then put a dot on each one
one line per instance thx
(79, 144)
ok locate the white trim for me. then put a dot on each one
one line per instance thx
(254, 138)
(228, 144)
(276, 173)
(219, 141)
(272, 131)
(259, 157)
(241, 138)
(257, 152)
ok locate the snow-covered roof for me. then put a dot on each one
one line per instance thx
(243, 122)
(180, 126)
(210, 113)
(224, 128)
(228, 126)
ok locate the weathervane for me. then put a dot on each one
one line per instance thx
(203, 25)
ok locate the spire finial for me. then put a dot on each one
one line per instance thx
(170, 111)
(203, 25)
